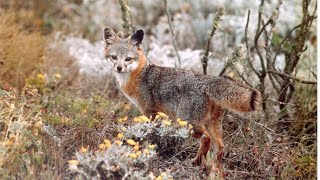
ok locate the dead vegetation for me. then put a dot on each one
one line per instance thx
(21, 52)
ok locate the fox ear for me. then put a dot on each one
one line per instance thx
(137, 38)
(109, 36)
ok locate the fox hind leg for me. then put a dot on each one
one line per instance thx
(216, 134)
(215, 131)
(205, 141)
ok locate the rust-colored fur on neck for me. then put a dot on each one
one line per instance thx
(132, 85)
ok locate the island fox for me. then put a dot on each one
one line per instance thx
(198, 99)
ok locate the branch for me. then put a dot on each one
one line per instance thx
(310, 70)
(268, 36)
(243, 78)
(247, 45)
(215, 25)
(172, 34)
(256, 38)
(294, 78)
(126, 17)
(283, 41)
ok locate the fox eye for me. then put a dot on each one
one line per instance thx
(128, 59)
(114, 57)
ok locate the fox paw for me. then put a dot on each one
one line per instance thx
(199, 161)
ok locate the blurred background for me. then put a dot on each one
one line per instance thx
(57, 47)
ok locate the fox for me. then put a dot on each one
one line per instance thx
(196, 98)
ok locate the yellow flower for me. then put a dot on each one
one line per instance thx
(144, 118)
(107, 143)
(190, 126)
(38, 124)
(118, 142)
(179, 119)
(151, 146)
(57, 76)
(161, 114)
(102, 147)
(167, 123)
(84, 111)
(65, 120)
(127, 106)
(136, 147)
(133, 156)
(159, 178)
(131, 142)
(157, 116)
(125, 118)
(138, 153)
(84, 150)
(120, 136)
(41, 77)
(146, 151)
(73, 162)
(9, 143)
(183, 123)
(136, 119)
(35, 131)
(163, 174)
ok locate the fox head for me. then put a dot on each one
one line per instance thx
(123, 54)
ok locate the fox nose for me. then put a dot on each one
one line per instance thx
(119, 68)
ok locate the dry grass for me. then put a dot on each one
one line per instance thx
(254, 149)
(21, 52)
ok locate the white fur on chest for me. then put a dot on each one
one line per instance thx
(123, 79)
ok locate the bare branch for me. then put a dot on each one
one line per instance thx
(268, 36)
(256, 38)
(283, 41)
(243, 78)
(215, 25)
(172, 33)
(247, 45)
(294, 78)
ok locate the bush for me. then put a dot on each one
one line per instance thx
(134, 150)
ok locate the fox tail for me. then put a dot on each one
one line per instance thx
(230, 94)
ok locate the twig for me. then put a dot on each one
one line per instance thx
(283, 41)
(262, 125)
(268, 36)
(247, 45)
(243, 78)
(172, 34)
(310, 70)
(215, 25)
(294, 78)
(256, 38)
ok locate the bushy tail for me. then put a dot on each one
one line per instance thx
(230, 94)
